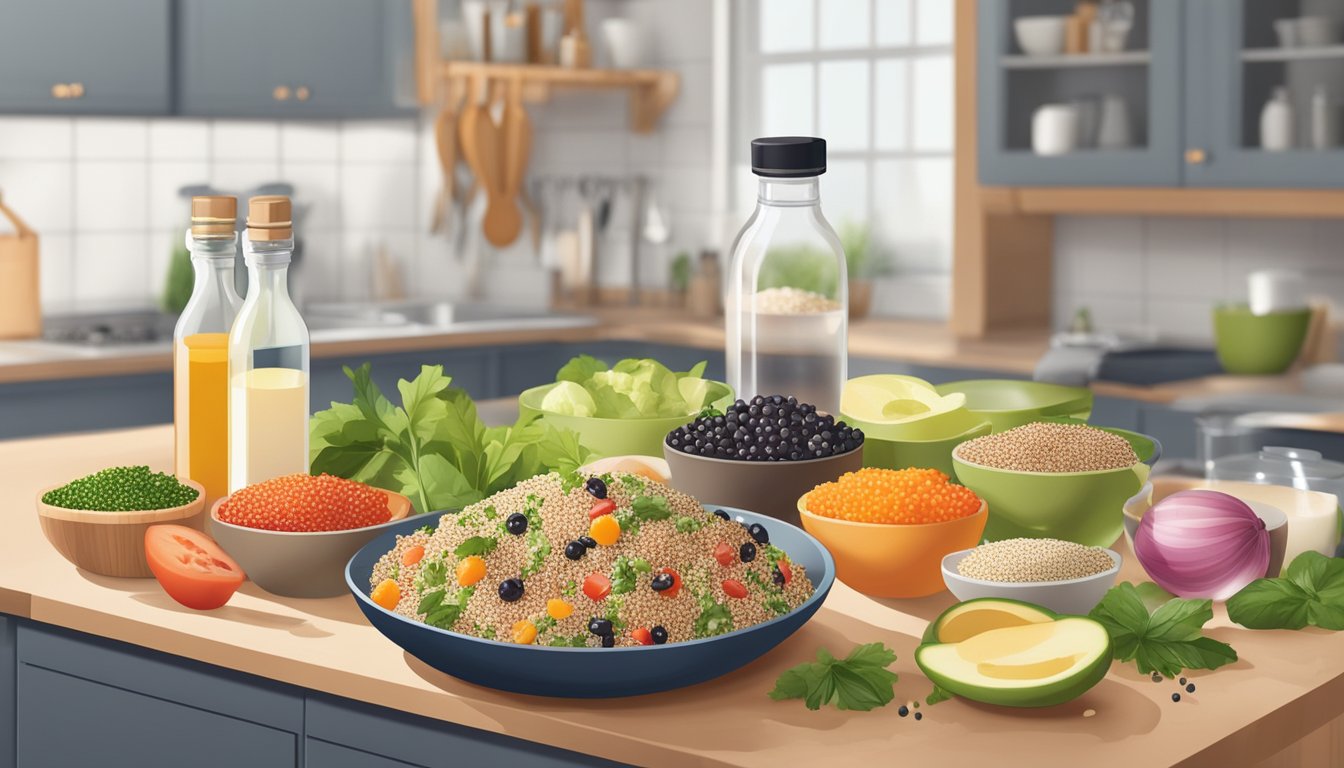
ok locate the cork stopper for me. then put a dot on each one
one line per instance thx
(213, 216)
(268, 218)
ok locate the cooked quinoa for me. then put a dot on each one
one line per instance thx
(1022, 561)
(660, 528)
(1049, 447)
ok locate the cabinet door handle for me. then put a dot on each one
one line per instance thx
(1196, 156)
(60, 91)
(281, 93)
(76, 90)
(302, 93)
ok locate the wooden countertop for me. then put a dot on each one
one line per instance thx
(1286, 685)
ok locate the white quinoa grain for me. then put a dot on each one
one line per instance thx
(1022, 561)
(1048, 447)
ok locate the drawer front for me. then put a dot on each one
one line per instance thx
(323, 754)
(67, 721)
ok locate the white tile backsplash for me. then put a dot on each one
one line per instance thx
(245, 140)
(310, 142)
(56, 255)
(391, 141)
(379, 196)
(111, 196)
(178, 139)
(37, 138)
(167, 209)
(1165, 274)
(112, 267)
(111, 138)
(40, 192)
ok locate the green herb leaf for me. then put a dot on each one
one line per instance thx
(1167, 641)
(861, 681)
(476, 545)
(650, 508)
(434, 573)
(714, 619)
(446, 613)
(1310, 593)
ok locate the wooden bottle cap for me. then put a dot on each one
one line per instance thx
(269, 218)
(213, 215)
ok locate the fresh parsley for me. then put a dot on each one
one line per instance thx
(544, 624)
(442, 611)
(647, 509)
(777, 605)
(434, 573)
(1166, 641)
(538, 545)
(689, 524)
(860, 681)
(428, 530)
(570, 588)
(714, 618)
(625, 574)
(476, 545)
(1310, 593)
(634, 484)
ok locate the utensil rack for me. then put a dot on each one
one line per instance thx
(651, 91)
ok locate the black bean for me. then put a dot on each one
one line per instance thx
(588, 541)
(1175, 697)
(1190, 688)
(596, 487)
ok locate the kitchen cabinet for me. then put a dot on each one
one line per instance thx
(296, 58)
(1194, 76)
(8, 737)
(86, 57)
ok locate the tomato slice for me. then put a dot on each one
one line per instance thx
(783, 567)
(191, 567)
(734, 588)
(596, 586)
(676, 582)
(642, 636)
(601, 507)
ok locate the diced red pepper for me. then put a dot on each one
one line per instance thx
(724, 553)
(642, 635)
(596, 586)
(734, 588)
(601, 507)
(783, 566)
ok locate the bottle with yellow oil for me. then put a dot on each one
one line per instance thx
(268, 356)
(201, 348)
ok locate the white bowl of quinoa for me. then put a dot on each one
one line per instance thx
(1065, 577)
(583, 586)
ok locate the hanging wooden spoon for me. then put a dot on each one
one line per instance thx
(503, 219)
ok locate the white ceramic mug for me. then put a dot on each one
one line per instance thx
(626, 46)
(1276, 290)
(1113, 126)
(1316, 31)
(1054, 129)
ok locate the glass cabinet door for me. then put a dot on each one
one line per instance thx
(1065, 102)
(1266, 91)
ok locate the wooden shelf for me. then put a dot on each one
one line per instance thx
(1077, 60)
(651, 91)
(1292, 54)
(1161, 201)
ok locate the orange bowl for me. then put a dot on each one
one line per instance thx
(886, 560)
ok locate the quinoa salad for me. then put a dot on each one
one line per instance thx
(589, 561)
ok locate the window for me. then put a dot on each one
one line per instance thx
(875, 79)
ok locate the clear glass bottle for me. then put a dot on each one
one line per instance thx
(787, 299)
(268, 356)
(201, 348)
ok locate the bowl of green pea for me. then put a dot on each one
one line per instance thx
(98, 521)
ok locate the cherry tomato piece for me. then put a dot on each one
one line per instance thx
(601, 507)
(676, 582)
(596, 586)
(734, 588)
(642, 635)
(724, 553)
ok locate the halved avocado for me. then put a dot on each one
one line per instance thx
(1014, 654)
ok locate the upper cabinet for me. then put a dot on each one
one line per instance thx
(1198, 93)
(207, 58)
(294, 58)
(85, 57)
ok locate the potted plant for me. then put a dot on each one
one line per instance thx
(863, 263)
(679, 277)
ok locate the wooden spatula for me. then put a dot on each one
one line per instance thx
(503, 220)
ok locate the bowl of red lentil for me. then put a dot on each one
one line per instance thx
(293, 535)
(889, 529)
(508, 594)
(1055, 480)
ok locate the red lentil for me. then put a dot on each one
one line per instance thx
(893, 496)
(306, 503)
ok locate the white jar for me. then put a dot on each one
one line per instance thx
(1054, 129)
(1276, 122)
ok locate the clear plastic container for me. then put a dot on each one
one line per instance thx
(268, 356)
(201, 348)
(1274, 465)
(787, 295)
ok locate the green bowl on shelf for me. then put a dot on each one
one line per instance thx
(1009, 403)
(1082, 507)
(607, 437)
(1258, 345)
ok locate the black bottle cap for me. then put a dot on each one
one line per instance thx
(788, 157)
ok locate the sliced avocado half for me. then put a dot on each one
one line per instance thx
(1014, 654)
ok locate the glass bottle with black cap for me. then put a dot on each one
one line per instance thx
(787, 299)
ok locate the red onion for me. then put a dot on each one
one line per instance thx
(1202, 544)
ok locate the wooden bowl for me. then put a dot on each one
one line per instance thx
(299, 563)
(112, 543)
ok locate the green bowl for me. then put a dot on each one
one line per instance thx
(606, 437)
(1009, 403)
(901, 454)
(1258, 344)
(1083, 507)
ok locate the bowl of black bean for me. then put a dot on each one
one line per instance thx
(761, 454)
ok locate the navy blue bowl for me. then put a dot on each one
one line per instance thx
(592, 673)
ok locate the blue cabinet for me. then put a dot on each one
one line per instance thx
(292, 58)
(1195, 76)
(86, 57)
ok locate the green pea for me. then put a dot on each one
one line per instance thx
(122, 489)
